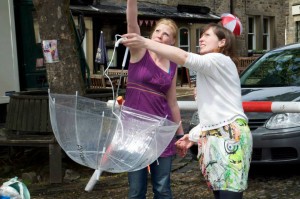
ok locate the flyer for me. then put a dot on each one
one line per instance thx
(50, 51)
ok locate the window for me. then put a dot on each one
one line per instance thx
(297, 31)
(198, 35)
(251, 34)
(184, 39)
(261, 30)
(266, 34)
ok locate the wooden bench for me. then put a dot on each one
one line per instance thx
(10, 138)
(28, 124)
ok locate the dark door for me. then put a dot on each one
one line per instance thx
(32, 70)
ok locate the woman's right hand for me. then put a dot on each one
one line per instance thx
(183, 144)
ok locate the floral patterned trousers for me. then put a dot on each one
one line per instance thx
(225, 156)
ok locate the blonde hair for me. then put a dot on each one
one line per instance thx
(170, 23)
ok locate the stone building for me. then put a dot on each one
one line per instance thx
(293, 22)
(264, 22)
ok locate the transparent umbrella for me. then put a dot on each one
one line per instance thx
(115, 141)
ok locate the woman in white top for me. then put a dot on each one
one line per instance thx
(223, 135)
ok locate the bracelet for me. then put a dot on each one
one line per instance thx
(179, 136)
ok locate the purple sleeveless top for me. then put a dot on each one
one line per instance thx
(147, 86)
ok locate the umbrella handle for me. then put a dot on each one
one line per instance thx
(118, 42)
(93, 180)
(125, 57)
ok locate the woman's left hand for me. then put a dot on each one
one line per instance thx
(183, 144)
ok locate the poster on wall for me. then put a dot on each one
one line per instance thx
(50, 51)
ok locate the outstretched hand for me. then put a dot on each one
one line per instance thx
(183, 144)
(133, 40)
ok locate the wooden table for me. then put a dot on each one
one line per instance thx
(101, 81)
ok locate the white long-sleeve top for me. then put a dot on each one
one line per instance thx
(218, 90)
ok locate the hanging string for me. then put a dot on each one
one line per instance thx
(105, 73)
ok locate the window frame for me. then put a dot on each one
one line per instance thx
(266, 33)
(297, 34)
(252, 34)
(198, 35)
(185, 47)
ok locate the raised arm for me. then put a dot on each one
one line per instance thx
(131, 16)
(133, 27)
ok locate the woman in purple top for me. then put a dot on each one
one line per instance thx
(151, 88)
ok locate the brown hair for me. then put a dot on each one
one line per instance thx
(170, 23)
(229, 49)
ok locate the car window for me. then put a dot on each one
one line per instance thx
(275, 68)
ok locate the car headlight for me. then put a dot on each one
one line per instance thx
(284, 120)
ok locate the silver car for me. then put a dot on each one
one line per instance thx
(275, 76)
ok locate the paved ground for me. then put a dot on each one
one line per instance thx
(265, 182)
(276, 182)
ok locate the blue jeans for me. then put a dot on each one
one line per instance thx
(160, 178)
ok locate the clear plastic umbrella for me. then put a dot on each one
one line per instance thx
(118, 139)
(94, 136)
